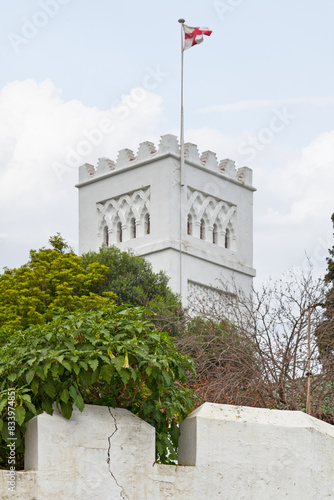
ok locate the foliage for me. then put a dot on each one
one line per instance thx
(52, 278)
(325, 332)
(55, 348)
(57, 277)
(130, 277)
(133, 281)
(113, 357)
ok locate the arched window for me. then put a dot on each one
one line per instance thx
(227, 238)
(133, 227)
(119, 232)
(190, 224)
(147, 224)
(202, 230)
(106, 236)
(215, 234)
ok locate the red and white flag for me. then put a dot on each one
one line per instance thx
(193, 36)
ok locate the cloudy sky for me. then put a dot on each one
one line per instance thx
(259, 91)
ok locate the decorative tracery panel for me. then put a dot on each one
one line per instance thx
(211, 219)
(124, 217)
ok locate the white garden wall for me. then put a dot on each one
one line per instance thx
(226, 452)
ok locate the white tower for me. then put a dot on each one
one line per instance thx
(195, 233)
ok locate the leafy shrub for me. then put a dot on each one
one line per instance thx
(112, 357)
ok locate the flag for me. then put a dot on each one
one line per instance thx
(193, 36)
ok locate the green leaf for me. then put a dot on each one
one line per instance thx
(106, 372)
(46, 367)
(66, 409)
(79, 402)
(86, 378)
(31, 407)
(76, 368)
(30, 375)
(34, 386)
(64, 396)
(46, 405)
(73, 392)
(134, 374)
(20, 414)
(26, 397)
(3, 403)
(118, 362)
(55, 370)
(49, 388)
(93, 363)
(149, 370)
(4, 433)
(66, 365)
(94, 377)
(166, 376)
(12, 376)
(125, 376)
(84, 365)
(40, 373)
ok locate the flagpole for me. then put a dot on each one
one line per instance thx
(182, 21)
(196, 36)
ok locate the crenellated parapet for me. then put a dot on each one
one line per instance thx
(168, 146)
(203, 227)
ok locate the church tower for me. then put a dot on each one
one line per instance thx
(196, 233)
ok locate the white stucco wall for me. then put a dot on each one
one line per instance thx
(225, 452)
(154, 174)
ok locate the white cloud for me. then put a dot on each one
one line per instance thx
(294, 206)
(305, 184)
(265, 103)
(43, 141)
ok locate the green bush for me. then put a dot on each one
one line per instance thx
(112, 357)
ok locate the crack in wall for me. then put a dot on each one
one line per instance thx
(123, 494)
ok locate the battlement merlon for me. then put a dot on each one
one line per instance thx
(168, 146)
